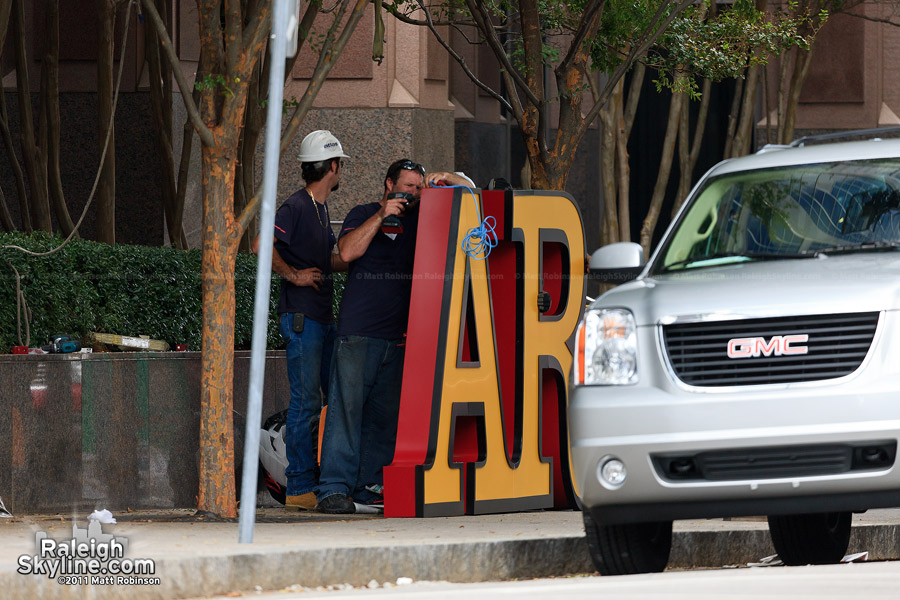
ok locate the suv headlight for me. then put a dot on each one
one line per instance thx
(606, 348)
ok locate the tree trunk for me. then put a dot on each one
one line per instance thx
(50, 94)
(220, 242)
(665, 168)
(629, 110)
(31, 153)
(623, 172)
(5, 217)
(798, 78)
(781, 102)
(609, 232)
(743, 136)
(24, 210)
(5, 10)
(688, 147)
(106, 188)
(254, 122)
(734, 115)
(161, 104)
(184, 168)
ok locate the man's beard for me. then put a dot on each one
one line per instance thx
(336, 186)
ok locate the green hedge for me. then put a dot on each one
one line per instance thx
(126, 290)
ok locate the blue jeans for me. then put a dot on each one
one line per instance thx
(361, 423)
(308, 356)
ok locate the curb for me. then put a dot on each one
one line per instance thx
(455, 562)
(204, 576)
(691, 549)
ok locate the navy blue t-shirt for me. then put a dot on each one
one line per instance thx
(376, 297)
(304, 239)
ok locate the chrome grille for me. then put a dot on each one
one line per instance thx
(837, 346)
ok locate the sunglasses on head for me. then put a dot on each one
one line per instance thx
(408, 165)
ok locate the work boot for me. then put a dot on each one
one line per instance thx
(305, 501)
(337, 504)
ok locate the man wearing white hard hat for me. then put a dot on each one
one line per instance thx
(302, 255)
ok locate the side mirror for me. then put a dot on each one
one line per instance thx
(617, 263)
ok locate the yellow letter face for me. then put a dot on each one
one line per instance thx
(495, 419)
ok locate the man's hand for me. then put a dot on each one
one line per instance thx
(444, 178)
(311, 277)
(394, 206)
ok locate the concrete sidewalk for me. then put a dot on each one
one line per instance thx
(195, 557)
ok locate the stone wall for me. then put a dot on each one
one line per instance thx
(117, 431)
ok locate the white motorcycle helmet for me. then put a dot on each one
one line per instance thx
(273, 455)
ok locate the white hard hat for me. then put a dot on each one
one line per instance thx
(320, 145)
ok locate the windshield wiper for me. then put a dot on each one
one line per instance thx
(747, 255)
(850, 248)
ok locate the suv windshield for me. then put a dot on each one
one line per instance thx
(787, 212)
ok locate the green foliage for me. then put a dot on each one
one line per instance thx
(723, 46)
(340, 280)
(212, 82)
(126, 290)
(702, 41)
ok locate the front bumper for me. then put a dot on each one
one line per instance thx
(659, 416)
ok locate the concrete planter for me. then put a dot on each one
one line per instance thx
(116, 430)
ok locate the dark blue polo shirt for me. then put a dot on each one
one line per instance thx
(304, 239)
(376, 297)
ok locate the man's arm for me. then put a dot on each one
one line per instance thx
(338, 265)
(355, 242)
(311, 277)
(444, 178)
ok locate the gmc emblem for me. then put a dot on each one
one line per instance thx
(779, 345)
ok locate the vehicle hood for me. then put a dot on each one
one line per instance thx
(861, 282)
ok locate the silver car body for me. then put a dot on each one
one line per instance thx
(661, 416)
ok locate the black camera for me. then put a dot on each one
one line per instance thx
(391, 224)
(410, 199)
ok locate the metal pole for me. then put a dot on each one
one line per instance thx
(277, 43)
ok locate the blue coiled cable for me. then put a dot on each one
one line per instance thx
(480, 240)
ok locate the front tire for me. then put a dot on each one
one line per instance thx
(628, 549)
(814, 539)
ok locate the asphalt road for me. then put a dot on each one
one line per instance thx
(873, 580)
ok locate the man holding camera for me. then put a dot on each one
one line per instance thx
(378, 240)
(302, 255)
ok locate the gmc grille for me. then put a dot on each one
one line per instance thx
(837, 346)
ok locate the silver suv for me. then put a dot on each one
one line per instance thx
(752, 367)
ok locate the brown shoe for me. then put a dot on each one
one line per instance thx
(305, 501)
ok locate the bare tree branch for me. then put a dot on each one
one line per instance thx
(256, 30)
(5, 10)
(404, 18)
(326, 62)
(514, 81)
(234, 43)
(51, 110)
(887, 21)
(658, 26)
(587, 27)
(634, 94)
(462, 62)
(24, 210)
(5, 217)
(203, 131)
(40, 216)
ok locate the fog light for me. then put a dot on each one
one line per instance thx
(612, 472)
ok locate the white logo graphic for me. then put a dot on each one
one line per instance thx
(779, 345)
